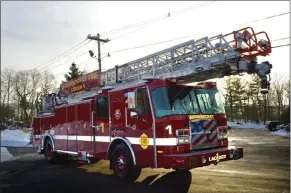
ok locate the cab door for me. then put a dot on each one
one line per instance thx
(139, 125)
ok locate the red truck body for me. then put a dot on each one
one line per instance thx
(170, 127)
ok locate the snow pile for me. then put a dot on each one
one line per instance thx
(248, 125)
(281, 132)
(5, 155)
(15, 138)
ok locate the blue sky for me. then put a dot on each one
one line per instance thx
(33, 33)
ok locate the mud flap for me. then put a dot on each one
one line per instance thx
(39, 150)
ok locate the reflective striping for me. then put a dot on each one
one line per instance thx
(164, 141)
(91, 138)
(61, 136)
(133, 140)
(159, 141)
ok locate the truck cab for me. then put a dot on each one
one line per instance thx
(179, 126)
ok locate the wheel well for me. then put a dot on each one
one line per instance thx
(46, 139)
(113, 145)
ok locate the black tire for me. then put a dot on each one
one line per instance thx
(125, 171)
(180, 170)
(49, 154)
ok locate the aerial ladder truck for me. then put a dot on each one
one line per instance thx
(144, 113)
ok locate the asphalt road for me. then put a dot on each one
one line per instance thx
(264, 169)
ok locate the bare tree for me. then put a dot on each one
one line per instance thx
(47, 85)
(25, 85)
(278, 84)
(8, 76)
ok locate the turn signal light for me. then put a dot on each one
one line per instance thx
(222, 129)
(182, 132)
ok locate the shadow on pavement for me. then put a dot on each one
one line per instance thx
(71, 176)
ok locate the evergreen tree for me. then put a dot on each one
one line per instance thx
(235, 96)
(74, 72)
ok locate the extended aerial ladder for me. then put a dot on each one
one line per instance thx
(198, 60)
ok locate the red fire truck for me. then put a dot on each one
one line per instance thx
(145, 114)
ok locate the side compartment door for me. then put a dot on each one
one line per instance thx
(71, 128)
(102, 138)
(84, 129)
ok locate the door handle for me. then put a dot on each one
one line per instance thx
(143, 120)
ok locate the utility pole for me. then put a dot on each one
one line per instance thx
(98, 39)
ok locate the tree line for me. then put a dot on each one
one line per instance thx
(22, 90)
(244, 101)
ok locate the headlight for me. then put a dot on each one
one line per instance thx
(183, 140)
(222, 136)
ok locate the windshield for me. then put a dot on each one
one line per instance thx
(210, 101)
(174, 101)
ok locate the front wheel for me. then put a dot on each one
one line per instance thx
(180, 170)
(122, 163)
(49, 154)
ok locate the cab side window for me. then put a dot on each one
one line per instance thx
(142, 102)
(102, 107)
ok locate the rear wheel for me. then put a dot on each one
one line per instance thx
(122, 164)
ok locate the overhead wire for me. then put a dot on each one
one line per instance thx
(60, 54)
(281, 39)
(141, 46)
(65, 55)
(155, 19)
(67, 61)
(279, 46)
(146, 45)
(170, 15)
(269, 17)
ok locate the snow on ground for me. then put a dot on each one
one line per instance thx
(247, 125)
(15, 138)
(5, 155)
(250, 125)
(281, 132)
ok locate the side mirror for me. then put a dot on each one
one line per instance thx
(133, 114)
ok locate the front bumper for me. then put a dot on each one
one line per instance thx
(202, 158)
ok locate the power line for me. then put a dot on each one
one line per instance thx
(281, 39)
(60, 55)
(166, 17)
(269, 17)
(65, 55)
(156, 19)
(281, 46)
(73, 58)
(141, 46)
(69, 61)
(146, 45)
